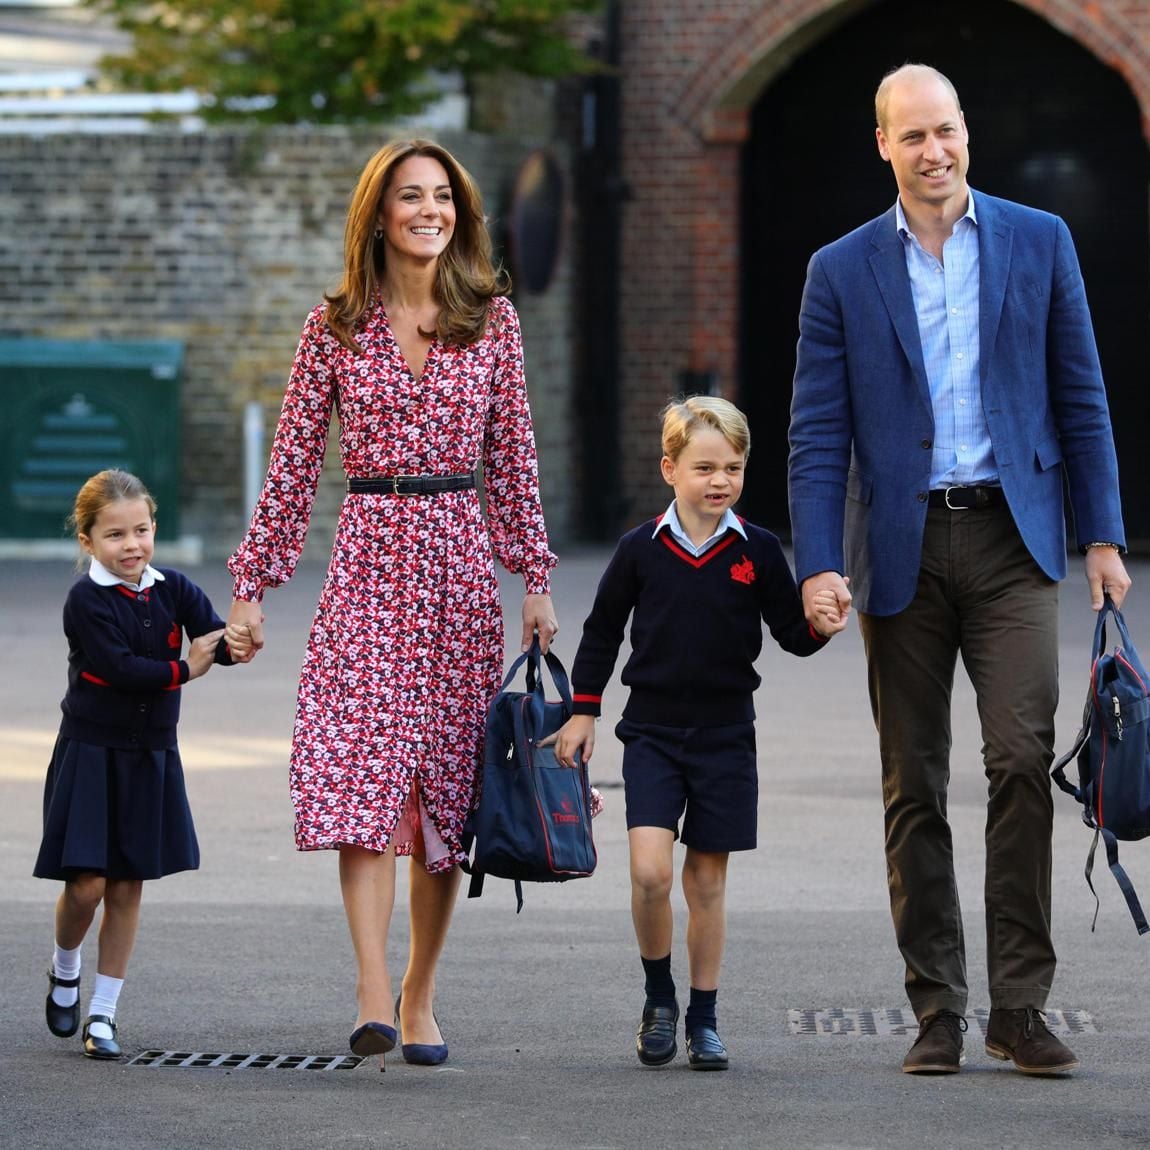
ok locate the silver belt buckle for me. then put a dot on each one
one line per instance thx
(396, 480)
(946, 499)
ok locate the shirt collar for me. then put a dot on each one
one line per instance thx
(670, 519)
(100, 574)
(903, 228)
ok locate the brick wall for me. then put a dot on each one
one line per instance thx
(692, 70)
(224, 240)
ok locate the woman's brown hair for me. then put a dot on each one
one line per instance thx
(465, 279)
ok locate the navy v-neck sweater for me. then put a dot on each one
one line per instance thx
(696, 627)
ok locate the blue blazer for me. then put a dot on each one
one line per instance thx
(861, 422)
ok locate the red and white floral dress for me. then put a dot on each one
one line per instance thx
(406, 649)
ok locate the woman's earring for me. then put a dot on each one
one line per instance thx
(378, 233)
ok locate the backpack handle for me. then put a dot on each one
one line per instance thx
(533, 658)
(1109, 608)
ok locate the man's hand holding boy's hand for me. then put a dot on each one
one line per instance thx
(576, 736)
(827, 602)
(827, 618)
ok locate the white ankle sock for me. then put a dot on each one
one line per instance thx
(65, 964)
(105, 994)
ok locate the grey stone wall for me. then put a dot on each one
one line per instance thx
(224, 239)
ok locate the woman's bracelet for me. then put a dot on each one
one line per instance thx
(1100, 543)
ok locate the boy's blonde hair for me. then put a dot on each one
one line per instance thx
(683, 417)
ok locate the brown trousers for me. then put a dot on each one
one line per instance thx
(981, 595)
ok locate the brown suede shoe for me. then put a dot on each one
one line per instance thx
(938, 1047)
(1021, 1037)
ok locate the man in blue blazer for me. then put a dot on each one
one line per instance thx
(947, 386)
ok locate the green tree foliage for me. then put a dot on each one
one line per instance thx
(333, 60)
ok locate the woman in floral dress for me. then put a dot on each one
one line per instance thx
(419, 354)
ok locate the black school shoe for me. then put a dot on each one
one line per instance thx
(63, 1021)
(104, 1049)
(655, 1039)
(705, 1049)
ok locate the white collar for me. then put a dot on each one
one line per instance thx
(100, 574)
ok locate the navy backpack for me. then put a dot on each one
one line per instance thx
(1113, 751)
(532, 822)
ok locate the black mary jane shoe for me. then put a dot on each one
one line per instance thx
(102, 1048)
(63, 1021)
(655, 1039)
(705, 1049)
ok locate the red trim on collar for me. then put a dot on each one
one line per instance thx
(697, 560)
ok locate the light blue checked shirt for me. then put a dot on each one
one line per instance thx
(946, 303)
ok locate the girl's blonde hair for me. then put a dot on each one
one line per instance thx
(111, 486)
(465, 279)
(683, 417)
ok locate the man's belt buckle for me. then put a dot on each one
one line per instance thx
(952, 506)
(396, 480)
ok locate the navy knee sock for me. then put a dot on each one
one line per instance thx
(701, 1010)
(660, 985)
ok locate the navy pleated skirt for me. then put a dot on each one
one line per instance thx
(123, 814)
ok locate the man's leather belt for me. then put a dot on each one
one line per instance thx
(966, 498)
(408, 484)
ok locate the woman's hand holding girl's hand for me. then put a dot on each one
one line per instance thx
(202, 653)
(239, 640)
(245, 630)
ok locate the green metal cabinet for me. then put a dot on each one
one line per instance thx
(70, 409)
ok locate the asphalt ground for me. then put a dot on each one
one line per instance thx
(250, 954)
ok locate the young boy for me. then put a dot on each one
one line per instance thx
(700, 582)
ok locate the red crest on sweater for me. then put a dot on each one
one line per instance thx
(743, 572)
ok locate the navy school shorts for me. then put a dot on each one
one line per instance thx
(710, 773)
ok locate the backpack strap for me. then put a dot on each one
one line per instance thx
(1058, 771)
(1120, 876)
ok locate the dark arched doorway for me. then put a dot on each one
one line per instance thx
(1050, 126)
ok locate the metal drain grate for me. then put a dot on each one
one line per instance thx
(880, 1022)
(184, 1060)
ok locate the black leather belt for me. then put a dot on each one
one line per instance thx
(966, 498)
(408, 484)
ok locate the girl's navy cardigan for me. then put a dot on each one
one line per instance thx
(124, 665)
(696, 627)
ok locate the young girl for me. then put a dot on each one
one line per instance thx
(115, 809)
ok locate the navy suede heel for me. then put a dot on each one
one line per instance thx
(421, 1053)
